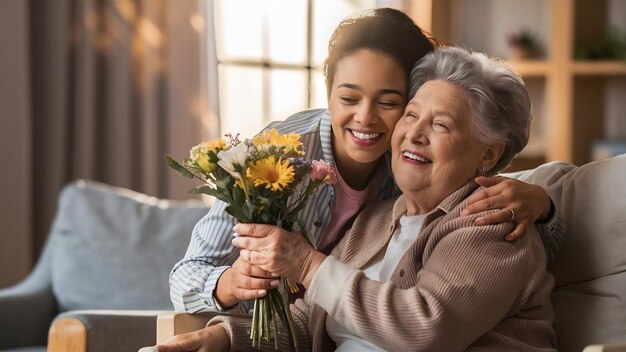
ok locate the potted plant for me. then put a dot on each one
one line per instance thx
(610, 45)
(524, 44)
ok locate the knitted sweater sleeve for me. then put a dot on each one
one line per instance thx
(471, 280)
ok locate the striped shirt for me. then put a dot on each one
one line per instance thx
(194, 278)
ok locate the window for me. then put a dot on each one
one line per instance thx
(270, 56)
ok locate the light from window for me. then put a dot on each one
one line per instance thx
(326, 16)
(269, 65)
(288, 89)
(241, 99)
(287, 30)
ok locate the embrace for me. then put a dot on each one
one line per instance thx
(417, 246)
(416, 272)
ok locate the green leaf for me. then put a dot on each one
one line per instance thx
(224, 183)
(205, 190)
(237, 214)
(249, 209)
(239, 197)
(178, 167)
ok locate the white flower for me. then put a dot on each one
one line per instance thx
(234, 159)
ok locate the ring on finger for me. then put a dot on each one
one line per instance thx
(512, 213)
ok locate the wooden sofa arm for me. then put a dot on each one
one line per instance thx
(176, 323)
(619, 347)
(67, 334)
(102, 330)
(170, 324)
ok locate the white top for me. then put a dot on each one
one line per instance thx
(402, 238)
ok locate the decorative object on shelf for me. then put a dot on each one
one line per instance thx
(524, 44)
(611, 45)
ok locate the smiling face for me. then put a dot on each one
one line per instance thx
(434, 151)
(366, 101)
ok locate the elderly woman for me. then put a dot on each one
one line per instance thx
(416, 273)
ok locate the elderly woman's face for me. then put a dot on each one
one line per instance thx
(434, 151)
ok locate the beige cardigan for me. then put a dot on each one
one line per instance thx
(458, 287)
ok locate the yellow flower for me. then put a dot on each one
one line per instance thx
(290, 141)
(266, 137)
(200, 154)
(214, 145)
(275, 174)
(203, 161)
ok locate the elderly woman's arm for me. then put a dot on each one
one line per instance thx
(232, 332)
(468, 284)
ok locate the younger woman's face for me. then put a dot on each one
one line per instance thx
(366, 100)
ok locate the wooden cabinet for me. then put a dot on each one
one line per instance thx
(569, 96)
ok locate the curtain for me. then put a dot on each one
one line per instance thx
(113, 86)
(15, 154)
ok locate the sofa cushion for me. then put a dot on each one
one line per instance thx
(590, 271)
(27, 349)
(113, 248)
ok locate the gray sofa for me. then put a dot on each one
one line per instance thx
(109, 250)
(589, 297)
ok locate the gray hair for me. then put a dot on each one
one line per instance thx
(498, 100)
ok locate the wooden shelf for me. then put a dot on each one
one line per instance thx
(599, 67)
(573, 93)
(530, 68)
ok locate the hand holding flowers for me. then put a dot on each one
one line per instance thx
(275, 250)
(265, 180)
(243, 281)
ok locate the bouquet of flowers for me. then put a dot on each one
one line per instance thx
(264, 180)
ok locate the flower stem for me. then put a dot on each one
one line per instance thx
(255, 318)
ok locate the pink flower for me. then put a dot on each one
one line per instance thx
(322, 170)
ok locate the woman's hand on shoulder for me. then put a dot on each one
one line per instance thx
(517, 201)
